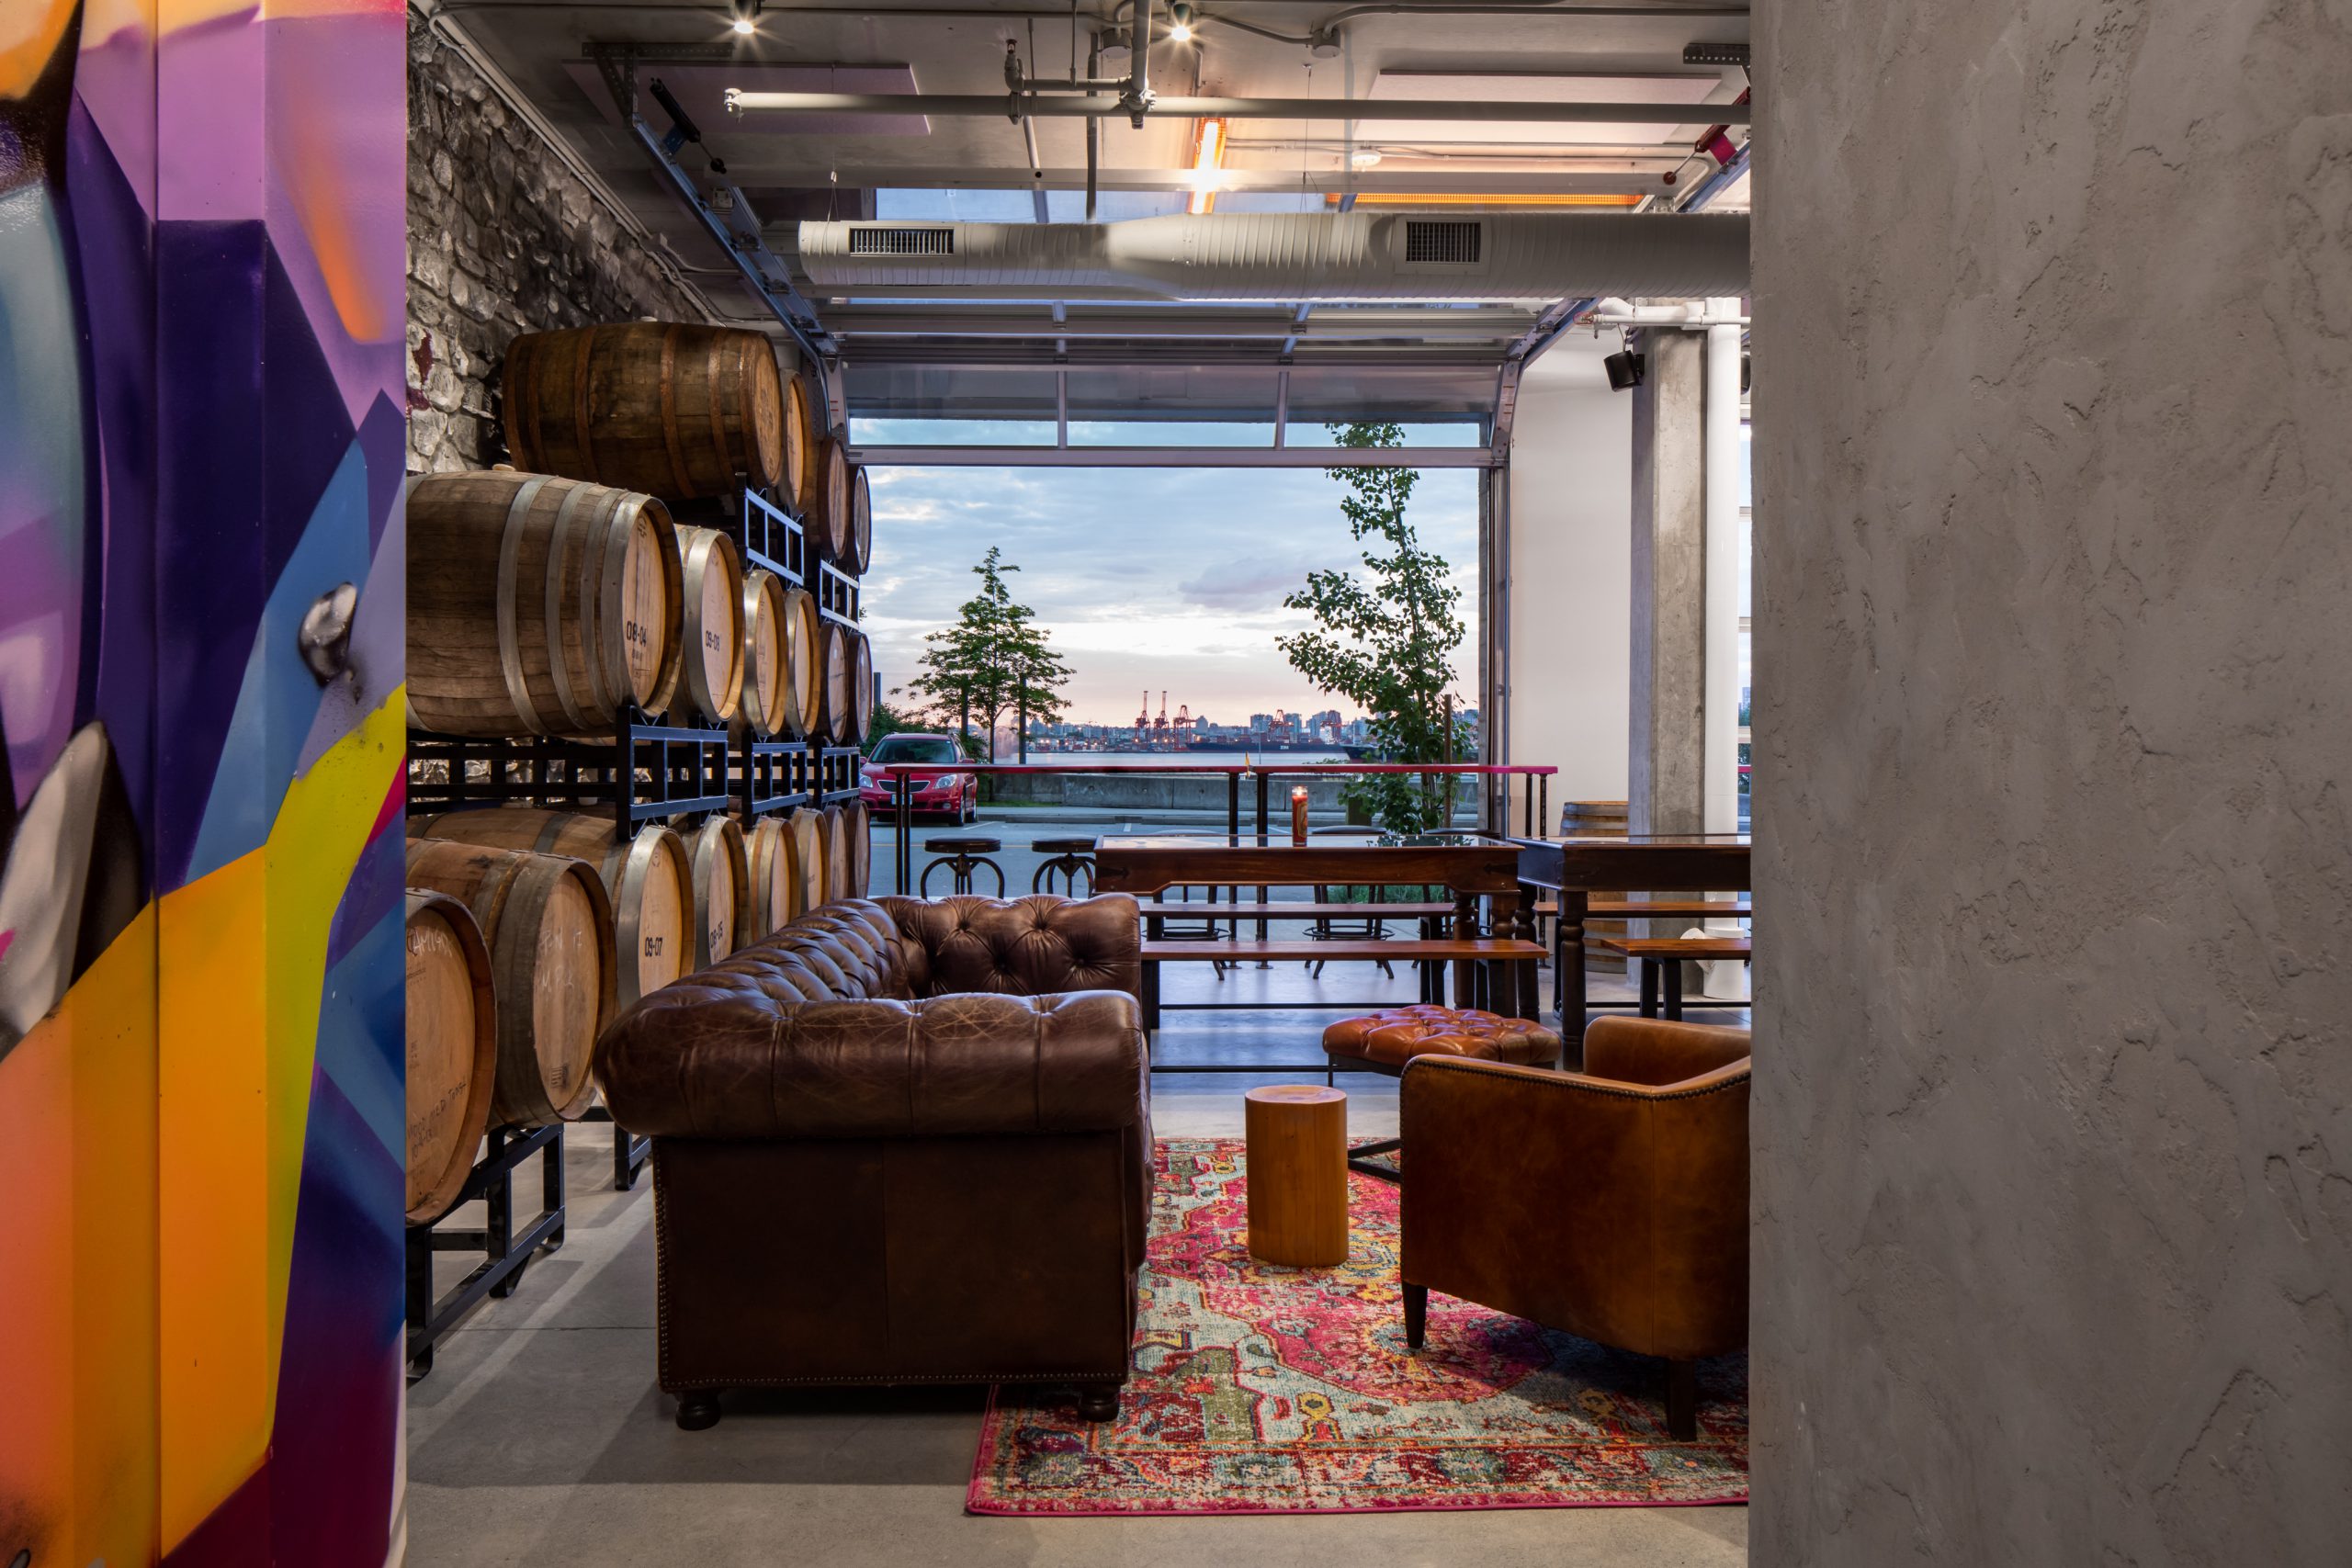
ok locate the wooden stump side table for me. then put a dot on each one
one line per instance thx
(1297, 1167)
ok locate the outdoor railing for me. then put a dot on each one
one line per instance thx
(1537, 804)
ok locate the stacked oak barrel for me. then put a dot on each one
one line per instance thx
(600, 580)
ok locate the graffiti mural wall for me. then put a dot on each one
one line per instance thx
(200, 1059)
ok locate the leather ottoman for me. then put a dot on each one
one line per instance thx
(1384, 1041)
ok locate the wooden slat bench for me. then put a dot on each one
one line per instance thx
(1662, 957)
(1293, 910)
(1462, 952)
(1654, 908)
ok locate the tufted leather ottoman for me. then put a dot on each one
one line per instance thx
(1387, 1040)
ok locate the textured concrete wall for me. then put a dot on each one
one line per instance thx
(2054, 1107)
(1571, 494)
(1667, 743)
(502, 239)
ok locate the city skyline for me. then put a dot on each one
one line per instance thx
(1147, 578)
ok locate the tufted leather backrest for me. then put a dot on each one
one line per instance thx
(1023, 947)
(901, 949)
(841, 953)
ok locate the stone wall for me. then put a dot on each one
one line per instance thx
(2052, 1141)
(502, 239)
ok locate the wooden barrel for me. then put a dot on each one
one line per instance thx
(722, 876)
(860, 554)
(549, 923)
(1601, 819)
(712, 573)
(800, 437)
(804, 661)
(648, 879)
(452, 1050)
(774, 876)
(807, 826)
(669, 408)
(859, 824)
(767, 669)
(538, 605)
(836, 711)
(860, 689)
(825, 503)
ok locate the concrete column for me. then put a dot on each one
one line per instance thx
(2051, 1130)
(1721, 789)
(1665, 761)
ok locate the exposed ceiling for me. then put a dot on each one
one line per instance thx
(963, 357)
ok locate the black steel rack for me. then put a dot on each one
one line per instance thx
(769, 536)
(774, 775)
(506, 1252)
(837, 774)
(641, 771)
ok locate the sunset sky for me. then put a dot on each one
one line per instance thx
(1149, 578)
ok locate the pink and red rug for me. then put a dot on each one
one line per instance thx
(1261, 1388)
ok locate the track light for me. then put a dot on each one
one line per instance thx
(747, 14)
(1625, 369)
(1179, 22)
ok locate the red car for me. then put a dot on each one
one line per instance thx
(936, 787)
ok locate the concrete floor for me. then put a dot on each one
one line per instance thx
(539, 1439)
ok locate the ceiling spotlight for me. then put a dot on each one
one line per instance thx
(1364, 158)
(1179, 22)
(1208, 158)
(1624, 369)
(747, 13)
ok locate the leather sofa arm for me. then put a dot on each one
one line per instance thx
(1027, 946)
(734, 1065)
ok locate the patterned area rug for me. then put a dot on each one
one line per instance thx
(1261, 1389)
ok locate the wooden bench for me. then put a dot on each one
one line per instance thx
(1463, 953)
(1654, 908)
(1662, 957)
(1293, 910)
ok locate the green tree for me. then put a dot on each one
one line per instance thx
(994, 660)
(887, 720)
(1386, 639)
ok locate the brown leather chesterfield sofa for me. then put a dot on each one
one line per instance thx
(1612, 1203)
(898, 1142)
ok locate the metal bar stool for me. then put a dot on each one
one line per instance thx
(1071, 859)
(959, 855)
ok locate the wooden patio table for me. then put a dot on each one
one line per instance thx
(1574, 867)
(1468, 865)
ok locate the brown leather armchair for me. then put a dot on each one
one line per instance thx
(1609, 1203)
(898, 1142)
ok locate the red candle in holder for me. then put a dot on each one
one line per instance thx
(1299, 815)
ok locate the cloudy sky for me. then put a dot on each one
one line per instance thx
(1161, 578)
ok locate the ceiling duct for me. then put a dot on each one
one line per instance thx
(1303, 256)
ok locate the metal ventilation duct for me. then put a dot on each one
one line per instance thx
(1339, 255)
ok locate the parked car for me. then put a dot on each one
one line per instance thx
(936, 788)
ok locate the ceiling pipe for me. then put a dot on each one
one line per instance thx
(1137, 99)
(1293, 257)
(981, 105)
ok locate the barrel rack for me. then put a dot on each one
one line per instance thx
(644, 770)
(506, 1252)
(778, 776)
